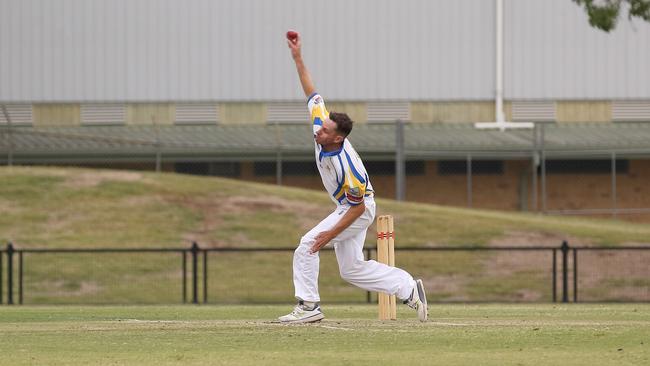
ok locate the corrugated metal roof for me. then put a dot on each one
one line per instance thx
(264, 141)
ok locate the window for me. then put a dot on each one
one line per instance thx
(581, 166)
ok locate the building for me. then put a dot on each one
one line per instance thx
(110, 69)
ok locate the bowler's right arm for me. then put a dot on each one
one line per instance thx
(303, 73)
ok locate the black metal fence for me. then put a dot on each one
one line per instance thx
(263, 275)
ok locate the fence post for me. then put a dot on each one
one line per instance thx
(575, 275)
(1, 279)
(400, 168)
(614, 198)
(565, 270)
(278, 154)
(10, 274)
(10, 142)
(20, 277)
(554, 275)
(157, 144)
(205, 276)
(184, 265)
(469, 180)
(278, 168)
(195, 270)
(543, 163)
(535, 163)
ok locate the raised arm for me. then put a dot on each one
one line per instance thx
(303, 73)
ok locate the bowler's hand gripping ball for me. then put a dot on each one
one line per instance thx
(292, 35)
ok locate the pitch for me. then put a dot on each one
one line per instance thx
(489, 334)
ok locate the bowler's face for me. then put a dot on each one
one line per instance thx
(328, 134)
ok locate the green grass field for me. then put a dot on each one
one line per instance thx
(85, 208)
(67, 207)
(489, 334)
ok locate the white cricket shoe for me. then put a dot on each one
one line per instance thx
(418, 301)
(303, 314)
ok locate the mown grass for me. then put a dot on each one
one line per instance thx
(85, 208)
(109, 278)
(350, 335)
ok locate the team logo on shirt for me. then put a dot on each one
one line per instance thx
(354, 195)
(353, 199)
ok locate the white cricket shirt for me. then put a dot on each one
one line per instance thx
(342, 171)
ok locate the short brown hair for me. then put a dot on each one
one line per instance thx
(343, 123)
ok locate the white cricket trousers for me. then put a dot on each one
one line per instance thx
(368, 275)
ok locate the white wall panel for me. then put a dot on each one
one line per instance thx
(551, 52)
(145, 50)
(370, 50)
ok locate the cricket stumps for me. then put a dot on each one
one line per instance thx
(386, 255)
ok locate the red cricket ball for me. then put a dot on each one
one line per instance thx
(292, 35)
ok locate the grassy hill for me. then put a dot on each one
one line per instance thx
(82, 208)
(56, 207)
